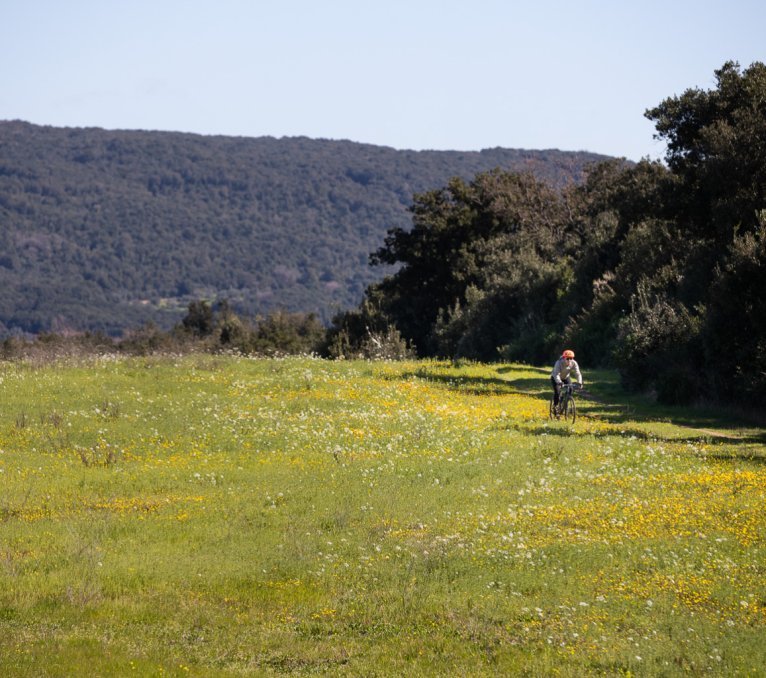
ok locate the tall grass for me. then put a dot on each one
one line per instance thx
(211, 515)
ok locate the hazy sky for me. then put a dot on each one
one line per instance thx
(416, 74)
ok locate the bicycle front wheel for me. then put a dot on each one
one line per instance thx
(570, 412)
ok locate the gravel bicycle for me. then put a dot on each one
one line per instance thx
(566, 407)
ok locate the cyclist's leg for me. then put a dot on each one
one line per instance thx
(556, 392)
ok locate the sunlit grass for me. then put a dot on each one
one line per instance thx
(216, 515)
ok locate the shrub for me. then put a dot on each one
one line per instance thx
(288, 333)
(655, 344)
(735, 326)
(365, 332)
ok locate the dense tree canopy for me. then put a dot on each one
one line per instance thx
(457, 234)
(648, 267)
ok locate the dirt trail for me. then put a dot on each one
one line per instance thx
(718, 434)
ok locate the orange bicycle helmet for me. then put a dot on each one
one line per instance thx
(567, 354)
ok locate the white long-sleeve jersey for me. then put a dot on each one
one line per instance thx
(562, 371)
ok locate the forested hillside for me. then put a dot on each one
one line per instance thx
(106, 230)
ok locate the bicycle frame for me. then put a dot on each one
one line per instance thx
(566, 406)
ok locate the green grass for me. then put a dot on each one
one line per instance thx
(227, 516)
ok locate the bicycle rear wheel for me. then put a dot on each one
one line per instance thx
(552, 410)
(570, 411)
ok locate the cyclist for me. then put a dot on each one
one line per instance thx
(566, 367)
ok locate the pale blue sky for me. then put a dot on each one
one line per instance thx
(416, 74)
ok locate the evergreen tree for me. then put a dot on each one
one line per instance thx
(456, 231)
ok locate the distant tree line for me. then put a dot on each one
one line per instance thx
(214, 327)
(657, 269)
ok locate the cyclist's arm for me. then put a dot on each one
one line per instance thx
(556, 374)
(577, 373)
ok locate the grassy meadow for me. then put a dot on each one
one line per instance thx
(220, 516)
